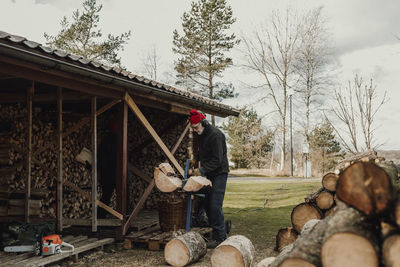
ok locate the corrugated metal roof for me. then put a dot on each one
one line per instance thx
(23, 43)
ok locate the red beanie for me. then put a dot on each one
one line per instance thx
(196, 117)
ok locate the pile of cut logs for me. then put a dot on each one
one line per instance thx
(143, 154)
(363, 228)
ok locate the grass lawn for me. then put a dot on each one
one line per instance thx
(244, 201)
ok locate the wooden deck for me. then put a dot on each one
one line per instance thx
(157, 239)
(81, 244)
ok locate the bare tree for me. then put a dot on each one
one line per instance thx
(271, 53)
(356, 109)
(312, 62)
(151, 62)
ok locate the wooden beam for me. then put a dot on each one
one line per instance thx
(139, 172)
(59, 160)
(94, 165)
(30, 92)
(153, 133)
(121, 171)
(88, 222)
(150, 187)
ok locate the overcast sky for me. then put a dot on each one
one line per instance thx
(363, 34)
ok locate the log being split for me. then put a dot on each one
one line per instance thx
(285, 237)
(366, 187)
(236, 251)
(185, 249)
(166, 183)
(302, 213)
(195, 183)
(349, 240)
(329, 181)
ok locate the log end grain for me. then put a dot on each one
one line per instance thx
(325, 200)
(235, 251)
(391, 251)
(329, 181)
(176, 253)
(366, 187)
(346, 249)
(284, 237)
(302, 213)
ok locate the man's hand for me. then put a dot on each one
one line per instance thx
(194, 172)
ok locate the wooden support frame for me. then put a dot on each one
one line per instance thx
(122, 160)
(59, 161)
(132, 105)
(30, 92)
(94, 164)
(150, 187)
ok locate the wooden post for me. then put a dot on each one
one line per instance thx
(122, 139)
(30, 92)
(59, 161)
(94, 165)
(144, 121)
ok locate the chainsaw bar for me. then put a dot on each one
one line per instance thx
(19, 248)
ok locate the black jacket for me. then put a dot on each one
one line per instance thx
(212, 151)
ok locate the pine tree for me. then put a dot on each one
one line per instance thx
(203, 44)
(81, 37)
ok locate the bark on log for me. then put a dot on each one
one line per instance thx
(166, 183)
(302, 213)
(266, 262)
(185, 249)
(329, 181)
(350, 240)
(195, 183)
(391, 251)
(366, 187)
(285, 237)
(236, 251)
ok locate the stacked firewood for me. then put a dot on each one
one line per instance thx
(363, 229)
(143, 153)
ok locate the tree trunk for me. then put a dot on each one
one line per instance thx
(391, 251)
(185, 249)
(285, 237)
(166, 183)
(329, 181)
(302, 213)
(236, 251)
(366, 187)
(349, 240)
(195, 183)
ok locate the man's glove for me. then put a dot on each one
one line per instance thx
(195, 172)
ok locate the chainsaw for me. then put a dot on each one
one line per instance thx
(47, 245)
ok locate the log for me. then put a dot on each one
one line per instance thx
(391, 251)
(366, 187)
(185, 249)
(305, 251)
(166, 183)
(324, 200)
(235, 251)
(196, 183)
(302, 213)
(350, 239)
(285, 237)
(329, 181)
(166, 168)
(266, 262)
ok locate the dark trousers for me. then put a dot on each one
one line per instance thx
(214, 200)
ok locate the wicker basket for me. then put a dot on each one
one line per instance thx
(172, 214)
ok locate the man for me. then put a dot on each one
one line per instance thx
(214, 165)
